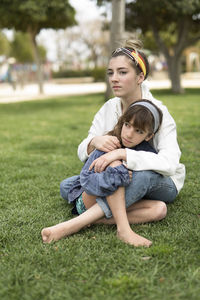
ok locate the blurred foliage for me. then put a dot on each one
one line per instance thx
(21, 48)
(169, 26)
(169, 18)
(4, 44)
(33, 15)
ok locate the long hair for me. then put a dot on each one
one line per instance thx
(142, 119)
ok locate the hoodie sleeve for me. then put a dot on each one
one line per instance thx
(104, 121)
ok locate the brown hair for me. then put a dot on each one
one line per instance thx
(134, 45)
(142, 119)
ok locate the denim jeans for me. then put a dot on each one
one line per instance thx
(145, 184)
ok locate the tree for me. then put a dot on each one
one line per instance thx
(4, 44)
(33, 15)
(83, 46)
(174, 24)
(21, 48)
(96, 40)
(116, 29)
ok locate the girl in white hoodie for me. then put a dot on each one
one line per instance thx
(157, 178)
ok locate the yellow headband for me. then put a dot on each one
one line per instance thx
(140, 61)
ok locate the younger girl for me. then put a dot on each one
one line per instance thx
(134, 129)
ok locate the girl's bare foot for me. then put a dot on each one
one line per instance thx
(132, 238)
(57, 232)
(46, 235)
(51, 234)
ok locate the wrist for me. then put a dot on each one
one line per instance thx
(91, 146)
(121, 154)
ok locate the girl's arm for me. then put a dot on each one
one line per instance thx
(104, 143)
(100, 163)
(105, 183)
(103, 122)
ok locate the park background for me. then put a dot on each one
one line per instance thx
(39, 140)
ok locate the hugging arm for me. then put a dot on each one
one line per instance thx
(104, 183)
(103, 122)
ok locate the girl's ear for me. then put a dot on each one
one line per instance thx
(149, 137)
(140, 78)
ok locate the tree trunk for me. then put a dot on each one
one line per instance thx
(174, 71)
(37, 61)
(116, 31)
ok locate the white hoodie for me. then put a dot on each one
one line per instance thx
(166, 162)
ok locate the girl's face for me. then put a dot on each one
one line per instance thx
(123, 78)
(132, 136)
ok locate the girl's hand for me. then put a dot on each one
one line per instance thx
(105, 143)
(103, 161)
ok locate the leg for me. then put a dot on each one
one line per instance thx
(65, 186)
(148, 185)
(88, 200)
(74, 225)
(116, 201)
(143, 211)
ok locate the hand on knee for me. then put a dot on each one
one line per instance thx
(115, 163)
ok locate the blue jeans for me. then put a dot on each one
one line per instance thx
(145, 184)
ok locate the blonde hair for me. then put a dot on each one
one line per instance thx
(133, 44)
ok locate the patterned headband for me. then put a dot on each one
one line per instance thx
(153, 110)
(135, 56)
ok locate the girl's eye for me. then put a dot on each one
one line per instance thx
(109, 73)
(139, 131)
(122, 72)
(127, 124)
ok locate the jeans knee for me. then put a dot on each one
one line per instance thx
(143, 177)
(63, 192)
(161, 210)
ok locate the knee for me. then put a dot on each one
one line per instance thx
(161, 211)
(63, 191)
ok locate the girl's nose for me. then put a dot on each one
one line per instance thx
(114, 77)
(130, 132)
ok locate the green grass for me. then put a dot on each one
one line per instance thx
(38, 147)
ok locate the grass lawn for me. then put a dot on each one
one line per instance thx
(37, 150)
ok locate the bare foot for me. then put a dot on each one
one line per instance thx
(132, 238)
(51, 234)
(46, 235)
(55, 233)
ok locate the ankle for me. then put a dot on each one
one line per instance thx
(123, 229)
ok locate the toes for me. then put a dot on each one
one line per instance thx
(46, 235)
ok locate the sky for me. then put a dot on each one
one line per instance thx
(85, 9)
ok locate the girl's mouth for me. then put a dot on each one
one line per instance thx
(125, 141)
(116, 87)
